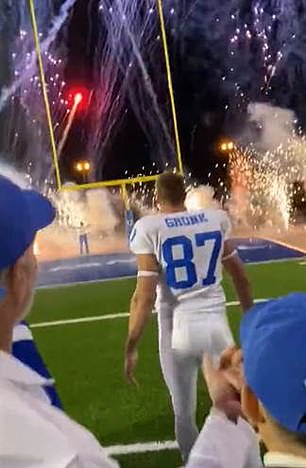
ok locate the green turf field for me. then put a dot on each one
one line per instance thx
(86, 358)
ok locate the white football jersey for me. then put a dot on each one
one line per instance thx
(189, 248)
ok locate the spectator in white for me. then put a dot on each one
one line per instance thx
(83, 239)
(269, 378)
(33, 433)
(226, 440)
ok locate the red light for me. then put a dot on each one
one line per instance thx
(78, 98)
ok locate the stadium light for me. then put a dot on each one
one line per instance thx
(83, 168)
(79, 167)
(227, 146)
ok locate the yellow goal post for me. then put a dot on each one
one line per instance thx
(54, 151)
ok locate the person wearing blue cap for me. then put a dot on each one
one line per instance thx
(33, 432)
(274, 393)
(23, 346)
(266, 382)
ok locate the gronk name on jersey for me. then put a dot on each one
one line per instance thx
(186, 220)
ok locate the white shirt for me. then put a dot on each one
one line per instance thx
(22, 333)
(82, 230)
(223, 444)
(189, 247)
(35, 434)
(278, 459)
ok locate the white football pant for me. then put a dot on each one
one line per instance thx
(182, 344)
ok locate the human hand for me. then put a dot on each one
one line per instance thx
(223, 382)
(130, 363)
(231, 365)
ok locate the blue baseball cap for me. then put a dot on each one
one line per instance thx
(22, 214)
(273, 338)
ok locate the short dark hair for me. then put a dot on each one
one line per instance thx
(170, 188)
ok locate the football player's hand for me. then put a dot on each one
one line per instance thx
(131, 360)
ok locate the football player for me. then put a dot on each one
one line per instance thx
(180, 256)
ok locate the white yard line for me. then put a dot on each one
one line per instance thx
(96, 318)
(99, 318)
(141, 448)
(279, 260)
(285, 244)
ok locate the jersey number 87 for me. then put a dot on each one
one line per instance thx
(186, 262)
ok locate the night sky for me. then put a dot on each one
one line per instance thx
(200, 54)
(215, 76)
(200, 107)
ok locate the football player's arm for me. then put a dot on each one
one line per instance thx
(143, 299)
(235, 268)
